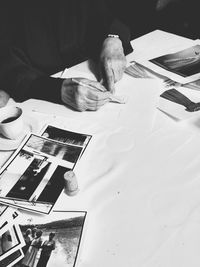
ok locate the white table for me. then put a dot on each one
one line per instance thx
(139, 184)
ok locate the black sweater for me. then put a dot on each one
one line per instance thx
(39, 38)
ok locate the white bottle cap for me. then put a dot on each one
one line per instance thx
(71, 184)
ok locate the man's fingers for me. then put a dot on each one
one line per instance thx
(97, 85)
(84, 94)
(118, 68)
(97, 95)
(95, 105)
(109, 76)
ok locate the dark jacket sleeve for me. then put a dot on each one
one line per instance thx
(17, 75)
(105, 22)
(119, 28)
(22, 81)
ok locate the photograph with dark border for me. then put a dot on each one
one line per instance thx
(65, 136)
(184, 63)
(52, 240)
(30, 182)
(9, 240)
(53, 148)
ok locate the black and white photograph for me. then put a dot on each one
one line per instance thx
(69, 154)
(184, 63)
(10, 241)
(33, 188)
(32, 181)
(100, 131)
(65, 136)
(33, 178)
(53, 240)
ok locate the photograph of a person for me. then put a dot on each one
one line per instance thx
(184, 63)
(65, 136)
(56, 239)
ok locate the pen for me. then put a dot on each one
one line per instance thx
(87, 85)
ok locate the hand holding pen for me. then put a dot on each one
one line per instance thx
(83, 94)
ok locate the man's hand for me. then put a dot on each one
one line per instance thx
(83, 94)
(4, 97)
(112, 62)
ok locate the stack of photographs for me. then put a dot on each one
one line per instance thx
(39, 241)
(136, 70)
(33, 178)
(11, 238)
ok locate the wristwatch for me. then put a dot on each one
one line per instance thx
(113, 36)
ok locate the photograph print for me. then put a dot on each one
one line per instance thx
(65, 136)
(10, 241)
(184, 63)
(67, 154)
(32, 181)
(52, 240)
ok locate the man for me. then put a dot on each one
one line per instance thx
(39, 38)
(47, 247)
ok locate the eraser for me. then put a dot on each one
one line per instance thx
(71, 183)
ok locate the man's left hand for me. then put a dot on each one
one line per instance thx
(4, 97)
(112, 62)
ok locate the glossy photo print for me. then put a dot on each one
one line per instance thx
(184, 63)
(53, 240)
(32, 182)
(65, 136)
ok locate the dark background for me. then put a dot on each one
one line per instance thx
(179, 16)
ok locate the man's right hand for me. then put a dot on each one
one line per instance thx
(80, 97)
